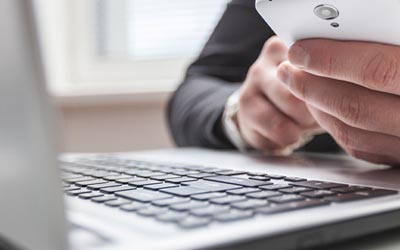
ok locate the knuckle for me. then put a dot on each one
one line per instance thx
(299, 83)
(381, 71)
(280, 127)
(327, 63)
(350, 109)
(256, 71)
(259, 143)
(245, 98)
(277, 123)
(342, 135)
(272, 46)
(289, 98)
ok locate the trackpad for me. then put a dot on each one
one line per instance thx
(83, 238)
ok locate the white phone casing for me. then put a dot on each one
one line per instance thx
(359, 20)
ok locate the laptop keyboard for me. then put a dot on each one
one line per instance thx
(195, 196)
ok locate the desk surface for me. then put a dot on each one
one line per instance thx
(334, 168)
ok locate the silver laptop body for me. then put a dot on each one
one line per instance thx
(32, 213)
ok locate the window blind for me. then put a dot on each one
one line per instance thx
(155, 29)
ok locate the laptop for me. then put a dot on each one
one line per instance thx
(209, 200)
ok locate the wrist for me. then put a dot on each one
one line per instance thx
(230, 123)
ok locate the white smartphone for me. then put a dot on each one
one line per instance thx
(354, 20)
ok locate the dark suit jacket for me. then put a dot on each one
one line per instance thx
(194, 111)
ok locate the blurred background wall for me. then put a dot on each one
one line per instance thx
(112, 64)
(123, 125)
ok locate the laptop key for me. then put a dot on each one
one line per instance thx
(201, 175)
(134, 206)
(181, 180)
(351, 189)
(188, 205)
(209, 210)
(111, 190)
(184, 191)
(260, 178)
(147, 174)
(171, 216)
(90, 195)
(104, 198)
(249, 204)
(263, 194)
(116, 203)
(170, 201)
(165, 177)
(78, 179)
(295, 190)
(144, 183)
(361, 195)
(79, 191)
(103, 185)
(161, 186)
(204, 197)
(212, 186)
(318, 194)
(275, 187)
(194, 222)
(319, 184)
(212, 170)
(143, 195)
(127, 180)
(228, 199)
(116, 177)
(102, 174)
(286, 198)
(276, 176)
(151, 211)
(90, 182)
(295, 179)
(291, 206)
(236, 181)
(231, 172)
(243, 191)
(71, 188)
(256, 174)
(233, 215)
(186, 172)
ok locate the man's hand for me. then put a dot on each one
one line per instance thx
(270, 117)
(353, 91)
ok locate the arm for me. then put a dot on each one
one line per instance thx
(195, 110)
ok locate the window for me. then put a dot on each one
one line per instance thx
(144, 44)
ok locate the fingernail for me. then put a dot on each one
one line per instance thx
(283, 75)
(299, 56)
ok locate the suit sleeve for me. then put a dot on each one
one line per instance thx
(194, 111)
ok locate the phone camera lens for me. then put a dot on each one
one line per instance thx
(335, 25)
(326, 12)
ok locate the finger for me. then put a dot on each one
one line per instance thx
(372, 65)
(264, 118)
(256, 140)
(354, 105)
(374, 158)
(274, 51)
(355, 140)
(288, 104)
